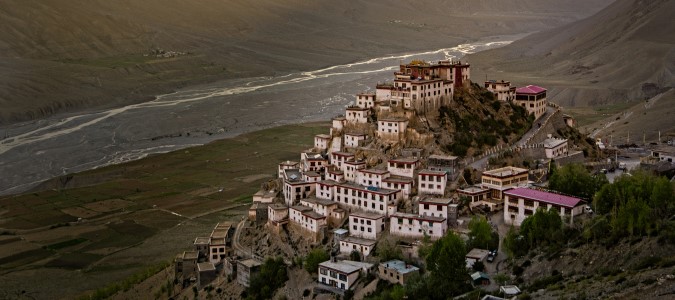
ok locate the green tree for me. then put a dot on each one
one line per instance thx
(273, 274)
(574, 179)
(480, 233)
(355, 255)
(387, 250)
(424, 247)
(515, 244)
(314, 258)
(543, 228)
(447, 265)
(501, 278)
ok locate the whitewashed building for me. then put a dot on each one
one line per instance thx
(321, 141)
(434, 207)
(335, 175)
(350, 168)
(286, 165)
(342, 274)
(311, 161)
(520, 203)
(502, 179)
(403, 184)
(363, 246)
(502, 90)
(338, 124)
(404, 167)
(365, 100)
(533, 99)
(415, 226)
(339, 158)
(392, 129)
(320, 206)
(357, 114)
(431, 182)
(354, 139)
(371, 177)
(325, 189)
(311, 176)
(367, 199)
(277, 212)
(366, 225)
(479, 196)
(306, 218)
(555, 147)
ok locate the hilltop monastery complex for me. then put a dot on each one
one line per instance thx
(335, 188)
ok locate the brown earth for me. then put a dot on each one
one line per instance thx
(624, 53)
(60, 56)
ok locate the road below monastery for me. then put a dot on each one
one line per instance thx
(35, 151)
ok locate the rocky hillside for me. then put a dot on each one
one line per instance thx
(626, 52)
(60, 55)
(475, 121)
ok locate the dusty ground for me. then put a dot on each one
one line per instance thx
(623, 54)
(142, 213)
(60, 56)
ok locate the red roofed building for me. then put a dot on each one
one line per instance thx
(520, 203)
(532, 98)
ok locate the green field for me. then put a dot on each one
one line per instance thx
(134, 215)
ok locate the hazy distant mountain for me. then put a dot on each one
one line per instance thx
(59, 55)
(625, 52)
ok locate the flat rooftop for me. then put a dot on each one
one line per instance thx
(323, 202)
(206, 266)
(431, 200)
(278, 206)
(190, 255)
(418, 217)
(366, 215)
(400, 266)
(472, 190)
(505, 172)
(374, 171)
(250, 262)
(359, 241)
(478, 253)
(404, 160)
(546, 197)
(202, 240)
(553, 142)
(432, 172)
(442, 157)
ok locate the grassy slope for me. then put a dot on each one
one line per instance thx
(127, 210)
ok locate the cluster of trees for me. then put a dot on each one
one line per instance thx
(448, 275)
(544, 228)
(641, 204)
(634, 205)
(314, 258)
(574, 179)
(481, 234)
(273, 274)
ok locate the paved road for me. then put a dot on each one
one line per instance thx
(481, 164)
(241, 250)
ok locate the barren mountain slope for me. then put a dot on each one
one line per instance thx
(623, 53)
(60, 55)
